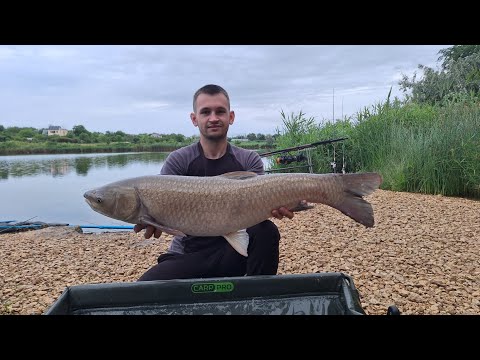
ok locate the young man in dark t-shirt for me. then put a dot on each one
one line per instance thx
(213, 256)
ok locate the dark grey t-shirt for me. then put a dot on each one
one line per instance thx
(190, 161)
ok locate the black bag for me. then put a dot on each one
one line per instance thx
(304, 294)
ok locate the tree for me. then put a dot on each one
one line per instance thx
(458, 78)
(456, 52)
(27, 133)
(1, 128)
(80, 129)
(251, 137)
(179, 138)
(85, 137)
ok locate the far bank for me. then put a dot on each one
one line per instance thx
(23, 148)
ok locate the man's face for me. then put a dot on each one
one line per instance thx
(212, 116)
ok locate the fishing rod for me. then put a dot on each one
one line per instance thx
(288, 159)
(301, 147)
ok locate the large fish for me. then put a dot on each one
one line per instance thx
(227, 204)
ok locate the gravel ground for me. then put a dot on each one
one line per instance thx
(423, 255)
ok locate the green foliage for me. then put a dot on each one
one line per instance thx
(16, 140)
(422, 148)
(456, 52)
(269, 140)
(339, 153)
(84, 137)
(296, 129)
(458, 79)
(78, 130)
(416, 147)
(27, 133)
(300, 130)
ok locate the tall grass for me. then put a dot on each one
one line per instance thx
(299, 130)
(416, 148)
(421, 148)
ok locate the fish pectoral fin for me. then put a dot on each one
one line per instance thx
(302, 206)
(239, 175)
(147, 220)
(239, 241)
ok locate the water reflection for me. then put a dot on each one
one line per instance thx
(49, 188)
(61, 165)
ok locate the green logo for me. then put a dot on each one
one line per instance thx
(224, 286)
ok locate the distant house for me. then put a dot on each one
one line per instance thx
(55, 130)
(156, 135)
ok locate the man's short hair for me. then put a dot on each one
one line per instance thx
(210, 89)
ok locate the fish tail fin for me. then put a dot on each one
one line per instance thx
(352, 204)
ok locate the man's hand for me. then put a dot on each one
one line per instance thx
(150, 230)
(281, 212)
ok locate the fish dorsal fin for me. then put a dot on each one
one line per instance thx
(239, 175)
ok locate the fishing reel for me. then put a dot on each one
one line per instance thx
(288, 159)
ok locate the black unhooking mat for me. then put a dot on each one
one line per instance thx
(304, 294)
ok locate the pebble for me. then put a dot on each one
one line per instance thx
(421, 255)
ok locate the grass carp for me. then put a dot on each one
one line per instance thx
(227, 204)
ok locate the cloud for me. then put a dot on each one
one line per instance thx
(6, 53)
(140, 89)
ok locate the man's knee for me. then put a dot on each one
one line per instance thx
(263, 249)
(265, 230)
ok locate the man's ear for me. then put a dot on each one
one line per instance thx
(232, 117)
(193, 117)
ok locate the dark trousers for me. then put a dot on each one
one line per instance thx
(207, 257)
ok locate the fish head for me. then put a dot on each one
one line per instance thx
(115, 201)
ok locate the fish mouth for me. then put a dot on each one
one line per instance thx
(91, 198)
(89, 195)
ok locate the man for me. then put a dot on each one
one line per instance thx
(203, 257)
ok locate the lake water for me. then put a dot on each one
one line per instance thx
(49, 188)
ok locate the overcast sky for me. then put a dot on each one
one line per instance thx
(144, 89)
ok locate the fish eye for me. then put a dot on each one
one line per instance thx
(99, 200)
